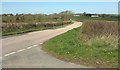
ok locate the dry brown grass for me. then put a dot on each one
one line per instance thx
(28, 25)
(102, 31)
(18, 27)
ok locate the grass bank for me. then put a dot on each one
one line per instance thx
(19, 28)
(96, 51)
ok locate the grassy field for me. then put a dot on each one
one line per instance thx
(18, 28)
(98, 51)
(84, 18)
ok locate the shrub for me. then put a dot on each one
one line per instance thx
(21, 27)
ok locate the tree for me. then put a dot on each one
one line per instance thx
(11, 14)
(66, 15)
(66, 12)
(84, 14)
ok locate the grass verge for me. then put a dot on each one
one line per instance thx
(68, 47)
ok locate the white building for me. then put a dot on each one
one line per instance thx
(94, 15)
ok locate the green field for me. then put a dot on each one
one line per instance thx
(95, 51)
(84, 18)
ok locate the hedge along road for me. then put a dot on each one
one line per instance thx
(24, 51)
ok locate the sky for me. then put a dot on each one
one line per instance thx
(56, 7)
(60, 0)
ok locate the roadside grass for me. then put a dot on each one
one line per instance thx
(19, 28)
(95, 52)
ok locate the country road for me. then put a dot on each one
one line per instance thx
(24, 51)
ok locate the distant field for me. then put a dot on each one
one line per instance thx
(94, 44)
(84, 18)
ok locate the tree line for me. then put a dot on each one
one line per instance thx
(30, 18)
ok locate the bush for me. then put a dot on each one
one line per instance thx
(21, 27)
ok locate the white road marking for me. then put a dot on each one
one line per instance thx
(41, 43)
(10, 53)
(29, 47)
(21, 50)
(32, 46)
(35, 45)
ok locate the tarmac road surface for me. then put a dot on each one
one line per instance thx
(24, 51)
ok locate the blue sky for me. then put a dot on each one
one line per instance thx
(56, 7)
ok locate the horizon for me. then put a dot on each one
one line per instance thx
(58, 13)
(56, 7)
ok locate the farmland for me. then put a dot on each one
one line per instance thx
(95, 43)
(76, 35)
(22, 23)
(83, 18)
